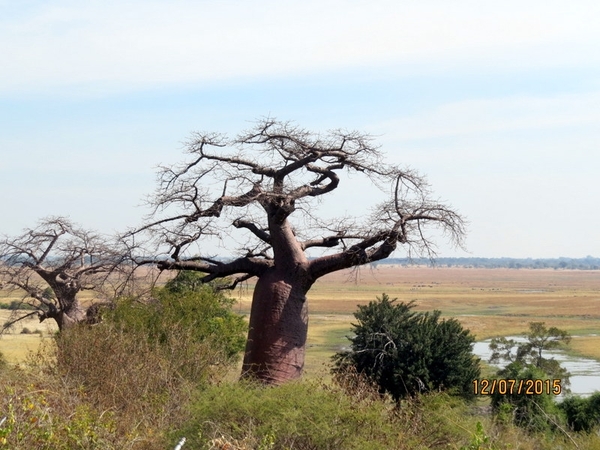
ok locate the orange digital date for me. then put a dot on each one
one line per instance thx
(512, 386)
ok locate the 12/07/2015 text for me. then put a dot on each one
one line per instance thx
(513, 386)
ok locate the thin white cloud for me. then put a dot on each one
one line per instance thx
(522, 168)
(495, 115)
(131, 44)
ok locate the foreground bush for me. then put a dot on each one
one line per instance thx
(124, 382)
(297, 415)
(43, 412)
(408, 352)
(310, 415)
(143, 359)
(583, 414)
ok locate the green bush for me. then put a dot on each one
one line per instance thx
(300, 415)
(185, 303)
(583, 414)
(47, 411)
(408, 352)
(535, 412)
(309, 415)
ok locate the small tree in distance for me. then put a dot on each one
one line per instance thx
(538, 340)
(261, 188)
(50, 265)
(527, 362)
(406, 352)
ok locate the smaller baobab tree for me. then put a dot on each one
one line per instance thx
(263, 190)
(50, 264)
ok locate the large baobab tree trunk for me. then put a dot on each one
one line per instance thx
(278, 329)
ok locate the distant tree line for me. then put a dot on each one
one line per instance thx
(587, 263)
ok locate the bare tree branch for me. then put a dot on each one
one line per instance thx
(52, 263)
(274, 166)
(258, 232)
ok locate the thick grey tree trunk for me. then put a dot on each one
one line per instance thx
(70, 316)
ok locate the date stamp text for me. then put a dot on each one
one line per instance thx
(519, 387)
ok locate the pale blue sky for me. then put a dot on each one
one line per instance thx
(498, 103)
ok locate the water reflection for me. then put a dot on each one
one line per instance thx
(585, 372)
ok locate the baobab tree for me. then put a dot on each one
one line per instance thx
(50, 264)
(262, 187)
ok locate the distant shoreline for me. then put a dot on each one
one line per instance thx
(587, 263)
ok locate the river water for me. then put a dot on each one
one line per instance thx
(585, 372)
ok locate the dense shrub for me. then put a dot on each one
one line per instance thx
(583, 414)
(310, 415)
(408, 352)
(185, 303)
(47, 411)
(296, 415)
(535, 412)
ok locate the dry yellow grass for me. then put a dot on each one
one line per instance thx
(489, 302)
(541, 293)
(15, 345)
(587, 346)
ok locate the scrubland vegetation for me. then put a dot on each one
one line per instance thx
(151, 373)
(153, 410)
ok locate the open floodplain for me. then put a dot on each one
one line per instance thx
(489, 302)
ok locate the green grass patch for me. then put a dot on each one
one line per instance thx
(312, 415)
(305, 415)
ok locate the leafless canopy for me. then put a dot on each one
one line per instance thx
(51, 263)
(247, 189)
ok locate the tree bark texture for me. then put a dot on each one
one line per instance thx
(70, 316)
(278, 330)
